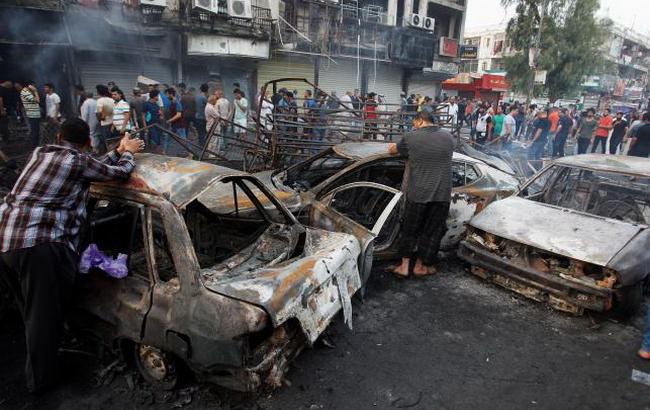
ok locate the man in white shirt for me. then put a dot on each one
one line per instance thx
(121, 112)
(104, 112)
(87, 112)
(52, 113)
(453, 111)
(241, 113)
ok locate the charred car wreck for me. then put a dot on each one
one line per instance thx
(231, 295)
(325, 179)
(576, 235)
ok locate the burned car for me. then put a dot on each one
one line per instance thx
(325, 175)
(576, 235)
(231, 295)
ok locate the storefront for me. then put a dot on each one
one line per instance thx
(486, 87)
(339, 75)
(385, 79)
(284, 65)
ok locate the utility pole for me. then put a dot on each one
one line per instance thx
(533, 53)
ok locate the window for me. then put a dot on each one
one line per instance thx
(463, 174)
(362, 204)
(312, 172)
(487, 42)
(116, 228)
(484, 66)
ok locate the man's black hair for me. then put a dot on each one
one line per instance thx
(102, 90)
(181, 85)
(646, 116)
(236, 91)
(171, 91)
(592, 110)
(115, 89)
(79, 87)
(424, 116)
(204, 88)
(75, 131)
(513, 107)
(49, 85)
(154, 93)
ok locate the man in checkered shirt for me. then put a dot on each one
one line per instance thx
(39, 227)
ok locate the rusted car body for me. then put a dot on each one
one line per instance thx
(232, 294)
(303, 187)
(576, 235)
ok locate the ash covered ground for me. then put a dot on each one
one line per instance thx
(447, 342)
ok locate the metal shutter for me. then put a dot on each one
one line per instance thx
(386, 82)
(423, 85)
(280, 66)
(339, 77)
(160, 70)
(95, 71)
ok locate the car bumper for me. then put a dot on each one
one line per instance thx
(273, 359)
(560, 293)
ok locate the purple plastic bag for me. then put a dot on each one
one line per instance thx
(92, 257)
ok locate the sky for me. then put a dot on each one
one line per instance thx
(630, 13)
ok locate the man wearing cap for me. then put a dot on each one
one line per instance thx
(40, 222)
(428, 150)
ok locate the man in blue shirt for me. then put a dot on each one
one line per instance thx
(151, 113)
(541, 127)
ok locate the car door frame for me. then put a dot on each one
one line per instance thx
(321, 214)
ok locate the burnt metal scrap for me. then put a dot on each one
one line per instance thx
(233, 290)
(575, 236)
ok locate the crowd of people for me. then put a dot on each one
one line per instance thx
(546, 130)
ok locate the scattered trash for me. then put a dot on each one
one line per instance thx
(92, 257)
(641, 377)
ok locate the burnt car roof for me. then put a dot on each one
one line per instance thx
(361, 150)
(180, 180)
(608, 163)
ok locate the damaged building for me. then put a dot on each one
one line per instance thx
(384, 46)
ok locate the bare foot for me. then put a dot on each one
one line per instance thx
(402, 269)
(420, 269)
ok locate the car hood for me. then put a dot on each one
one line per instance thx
(576, 235)
(311, 288)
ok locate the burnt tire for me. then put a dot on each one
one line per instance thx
(628, 300)
(157, 367)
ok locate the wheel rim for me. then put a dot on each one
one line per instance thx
(154, 362)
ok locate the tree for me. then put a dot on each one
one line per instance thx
(569, 45)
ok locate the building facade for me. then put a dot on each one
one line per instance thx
(385, 46)
(493, 47)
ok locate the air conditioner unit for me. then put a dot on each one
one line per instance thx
(157, 3)
(428, 23)
(240, 9)
(415, 20)
(207, 5)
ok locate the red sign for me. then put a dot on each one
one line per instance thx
(494, 82)
(448, 47)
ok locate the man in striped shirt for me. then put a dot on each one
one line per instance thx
(40, 222)
(31, 100)
(121, 112)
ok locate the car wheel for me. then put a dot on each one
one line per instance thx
(156, 367)
(628, 299)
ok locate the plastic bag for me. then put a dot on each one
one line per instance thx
(92, 257)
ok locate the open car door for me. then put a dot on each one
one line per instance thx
(360, 209)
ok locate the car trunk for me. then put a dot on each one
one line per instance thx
(310, 287)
